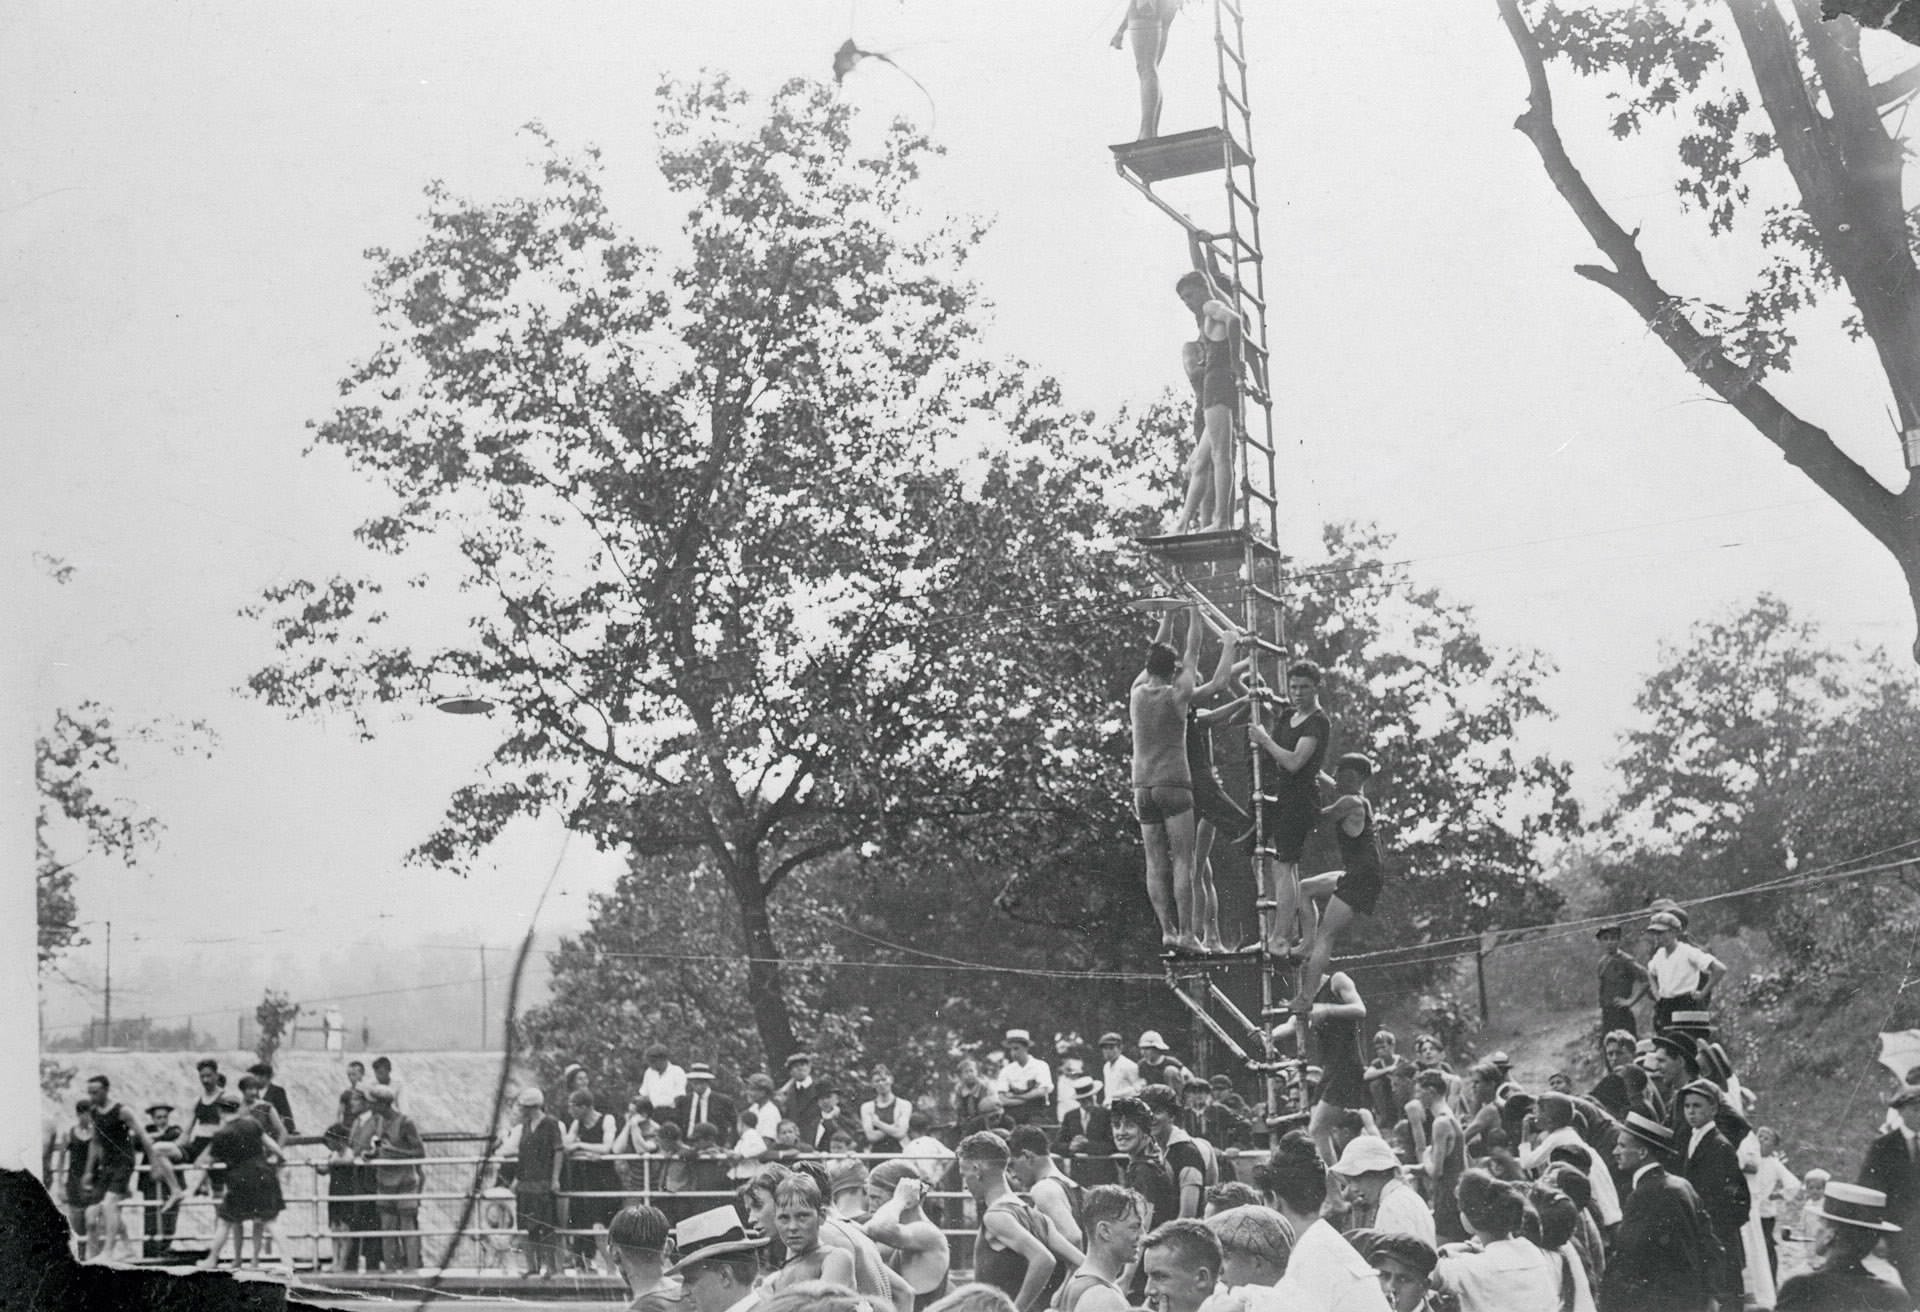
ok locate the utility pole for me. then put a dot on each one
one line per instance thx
(483, 997)
(108, 1043)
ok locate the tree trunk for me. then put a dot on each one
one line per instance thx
(1819, 166)
(765, 991)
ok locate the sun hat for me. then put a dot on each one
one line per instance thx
(529, 1097)
(1152, 1039)
(1019, 1036)
(1365, 1154)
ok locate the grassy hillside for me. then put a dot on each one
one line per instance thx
(1814, 1071)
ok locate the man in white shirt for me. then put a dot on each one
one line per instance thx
(1680, 975)
(1024, 1083)
(1553, 1114)
(766, 1112)
(1324, 1271)
(1120, 1077)
(664, 1083)
(1370, 1173)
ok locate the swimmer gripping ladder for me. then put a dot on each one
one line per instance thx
(1236, 571)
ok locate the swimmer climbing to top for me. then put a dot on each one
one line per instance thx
(1162, 782)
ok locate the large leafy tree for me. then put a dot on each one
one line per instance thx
(1790, 132)
(730, 520)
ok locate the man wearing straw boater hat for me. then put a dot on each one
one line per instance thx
(1892, 1166)
(1852, 1220)
(717, 1260)
(1664, 1251)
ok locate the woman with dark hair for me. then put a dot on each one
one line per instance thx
(1499, 1270)
(250, 1184)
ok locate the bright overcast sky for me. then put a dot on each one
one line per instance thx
(192, 186)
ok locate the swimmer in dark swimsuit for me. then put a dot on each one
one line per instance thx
(1355, 888)
(1209, 500)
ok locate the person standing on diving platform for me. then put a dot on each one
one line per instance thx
(1162, 783)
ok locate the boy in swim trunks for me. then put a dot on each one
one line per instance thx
(1354, 889)
(1290, 808)
(1209, 501)
(1162, 783)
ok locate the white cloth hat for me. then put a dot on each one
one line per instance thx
(1019, 1036)
(1365, 1154)
(1152, 1039)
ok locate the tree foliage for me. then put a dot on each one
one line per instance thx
(1794, 133)
(1051, 901)
(74, 764)
(275, 1016)
(727, 520)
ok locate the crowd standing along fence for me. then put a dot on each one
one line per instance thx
(458, 1168)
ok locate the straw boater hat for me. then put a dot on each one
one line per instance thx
(1648, 1131)
(699, 1070)
(716, 1232)
(1851, 1204)
(1019, 1036)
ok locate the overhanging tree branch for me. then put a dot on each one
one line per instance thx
(1805, 445)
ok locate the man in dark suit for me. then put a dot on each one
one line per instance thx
(701, 1105)
(1664, 1251)
(1892, 1166)
(799, 1097)
(1707, 1161)
(1086, 1137)
(1852, 1220)
(830, 1116)
(273, 1095)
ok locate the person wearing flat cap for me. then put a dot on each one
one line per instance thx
(1664, 1252)
(1119, 1073)
(1853, 1219)
(1892, 1166)
(717, 1260)
(1707, 1161)
(1623, 983)
(1681, 976)
(1405, 1265)
(536, 1183)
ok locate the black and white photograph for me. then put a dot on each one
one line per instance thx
(905, 656)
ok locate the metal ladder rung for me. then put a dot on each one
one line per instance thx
(1232, 54)
(1237, 103)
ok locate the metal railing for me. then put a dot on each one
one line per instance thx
(316, 1226)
